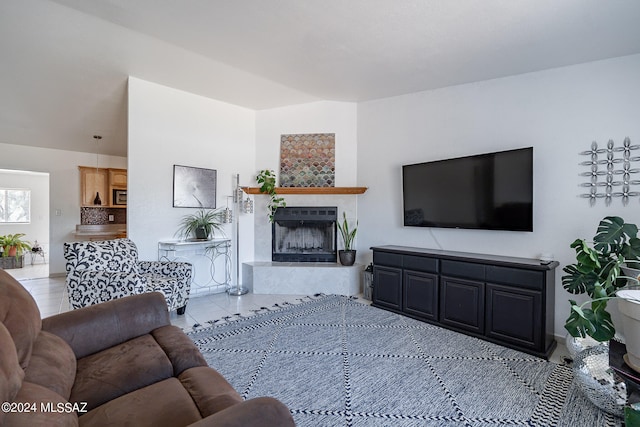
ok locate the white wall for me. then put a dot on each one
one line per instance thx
(318, 117)
(64, 188)
(170, 127)
(558, 112)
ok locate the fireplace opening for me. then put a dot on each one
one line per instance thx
(304, 234)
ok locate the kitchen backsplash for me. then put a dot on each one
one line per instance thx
(95, 216)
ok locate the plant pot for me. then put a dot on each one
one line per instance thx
(631, 273)
(347, 257)
(201, 233)
(13, 250)
(629, 306)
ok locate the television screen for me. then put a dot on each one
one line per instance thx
(491, 191)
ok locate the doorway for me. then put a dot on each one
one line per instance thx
(24, 209)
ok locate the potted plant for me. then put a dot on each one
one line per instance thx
(598, 273)
(348, 254)
(267, 180)
(11, 248)
(202, 224)
(13, 245)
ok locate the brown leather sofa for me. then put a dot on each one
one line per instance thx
(117, 363)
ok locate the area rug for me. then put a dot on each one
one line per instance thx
(337, 362)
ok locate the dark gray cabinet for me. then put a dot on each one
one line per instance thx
(505, 300)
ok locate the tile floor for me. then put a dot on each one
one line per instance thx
(51, 296)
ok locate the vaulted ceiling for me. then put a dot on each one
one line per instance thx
(64, 63)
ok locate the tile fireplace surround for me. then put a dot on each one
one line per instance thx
(302, 278)
(262, 276)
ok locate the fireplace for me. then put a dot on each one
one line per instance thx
(304, 234)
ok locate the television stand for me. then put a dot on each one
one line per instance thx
(505, 300)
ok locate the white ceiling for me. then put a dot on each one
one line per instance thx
(64, 63)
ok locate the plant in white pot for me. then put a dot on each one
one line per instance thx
(348, 254)
(602, 272)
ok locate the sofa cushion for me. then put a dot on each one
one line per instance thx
(11, 374)
(182, 352)
(50, 409)
(95, 328)
(52, 365)
(20, 315)
(211, 392)
(165, 403)
(118, 370)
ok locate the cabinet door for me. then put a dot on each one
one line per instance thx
(118, 178)
(387, 287)
(420, 296)
(462, 304)
(93, 181)
(515, 315)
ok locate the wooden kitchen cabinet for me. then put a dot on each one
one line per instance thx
(101, 181)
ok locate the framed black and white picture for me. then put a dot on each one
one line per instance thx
(194, 187)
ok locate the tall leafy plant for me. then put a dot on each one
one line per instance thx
(597, 273)
(347, 234)
(267, 180)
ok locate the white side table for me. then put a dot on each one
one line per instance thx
(211, 261)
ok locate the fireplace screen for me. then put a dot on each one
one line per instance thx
(304, 234)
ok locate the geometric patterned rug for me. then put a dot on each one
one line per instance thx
(336, 362)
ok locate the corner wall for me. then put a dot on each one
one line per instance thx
(318, 117)
(558, 112)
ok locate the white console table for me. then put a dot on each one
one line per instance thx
(211, 261)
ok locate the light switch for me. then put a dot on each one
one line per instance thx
(111, 218)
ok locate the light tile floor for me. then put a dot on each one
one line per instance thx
(51, 296)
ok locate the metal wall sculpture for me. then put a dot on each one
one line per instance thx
(611, 172)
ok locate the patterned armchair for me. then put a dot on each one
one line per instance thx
(105, 270)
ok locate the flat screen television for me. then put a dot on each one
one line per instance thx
(492, 191)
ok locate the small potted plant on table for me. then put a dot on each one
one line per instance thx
(202, 224)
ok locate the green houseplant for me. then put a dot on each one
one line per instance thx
(267, 180)
(13, 245)
(348, 254)
(598, 273)
(201, 224)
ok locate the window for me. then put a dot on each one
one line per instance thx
(15, 205)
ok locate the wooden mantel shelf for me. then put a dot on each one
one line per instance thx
(309, 190)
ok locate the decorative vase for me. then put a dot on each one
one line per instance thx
(97, 200)
(629, 306)
(347, 257)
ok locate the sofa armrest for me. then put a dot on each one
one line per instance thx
(91, 329)
(174, 269)
(259, 412)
